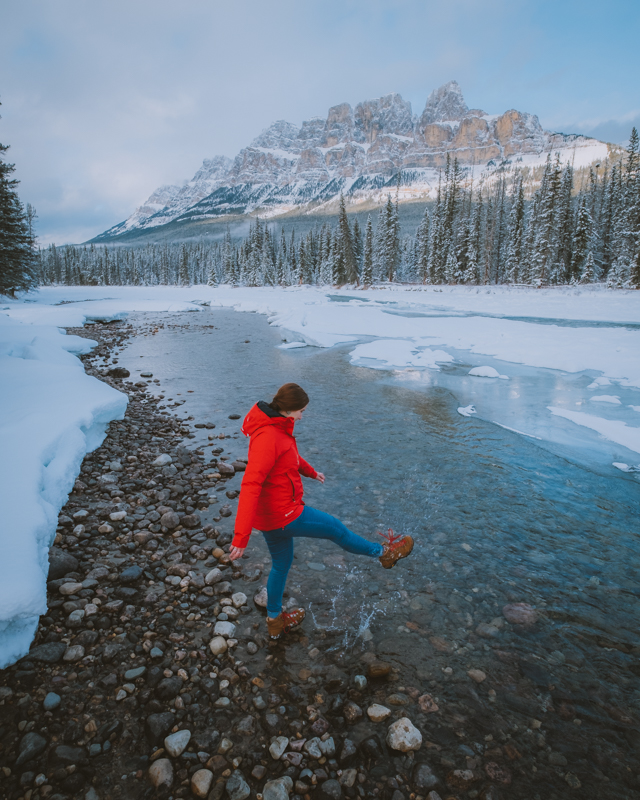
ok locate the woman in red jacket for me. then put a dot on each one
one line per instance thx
(271, 501)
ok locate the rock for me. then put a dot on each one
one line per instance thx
(158, 725)
(118, 372)
(378, 669)
(277, 789)
(168, 688)
(117, 516)
(312, 747)
(237, 788)
(170, 520)
(146, 374)
(70, 588)
(239, 466)
(73, 653)
(404, 736)
(218, 645)
(161, 773)
(50, 653)
(176, 743)
(225, 469)
(130, 574)
(60, 563)
(378, 713)
(66, 756)
(226, 629)
(497, 773)
(348, 777)
(487, 631)
(260, 597)
(191, 521)
(239, 599)
(423, 777)
(477, 675)
(31, 745)
(201, 782)
(520, 614)
(427, 704)
(214, 576)
(461, 778)
(132, 674)
(252, 648)
(331, 790)
(75, 618)
(360, 682)
(351, 711)
(51, 701)
(278, 746)
(162, 460)
(349, 750)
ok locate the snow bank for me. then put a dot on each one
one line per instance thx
(51, 415)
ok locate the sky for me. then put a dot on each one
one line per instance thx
(102, 102)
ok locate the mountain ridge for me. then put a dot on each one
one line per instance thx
(357, 152)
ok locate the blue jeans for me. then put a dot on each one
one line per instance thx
(311, 524)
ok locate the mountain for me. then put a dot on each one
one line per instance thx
(363, 153)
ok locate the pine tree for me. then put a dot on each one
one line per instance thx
(349, 269)
(515, 233)
(581, 241)
(589, 269)
(422, 247)
(17, 255)
(367, 259)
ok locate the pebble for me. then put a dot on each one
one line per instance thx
(360, 682)
(277, 789)
(213, 576)
(260, 597)
(201, 781)
(31, 745)
(278, 746)
(50, 653)
(161, 773)
(404, 736)
(477, 675)
(70, 588)
(239, 599)
(226, 629)
(218, 645)
(162, 460)
(132, 674)
(520, 614)
(51, 701)
(237, 788)
(176, 743)
(378, 669)
(378, 713)
(74, 653)
(351, 711)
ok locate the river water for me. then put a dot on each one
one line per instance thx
(497, 520)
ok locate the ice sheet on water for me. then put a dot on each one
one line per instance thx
(487, 372)
(467, 411)
(613, 430)
(606, 398)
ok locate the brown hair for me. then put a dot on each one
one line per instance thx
(290, 397)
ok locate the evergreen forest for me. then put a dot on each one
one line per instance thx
(561, 233)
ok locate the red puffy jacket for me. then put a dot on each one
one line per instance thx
(271, 492)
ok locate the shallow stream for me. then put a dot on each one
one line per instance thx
(497, 520)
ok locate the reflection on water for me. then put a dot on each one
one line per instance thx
(497, 520)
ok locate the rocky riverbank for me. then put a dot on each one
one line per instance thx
(151, 675)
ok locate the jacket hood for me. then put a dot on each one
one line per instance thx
(262, 415)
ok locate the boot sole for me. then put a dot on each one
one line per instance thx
(391, 566)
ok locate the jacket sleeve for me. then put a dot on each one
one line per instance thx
(262, 457)
(304, 468)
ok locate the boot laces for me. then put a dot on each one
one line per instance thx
(392, 539)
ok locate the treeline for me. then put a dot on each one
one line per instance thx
(562, 234)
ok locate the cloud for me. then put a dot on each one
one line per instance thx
(103, 102)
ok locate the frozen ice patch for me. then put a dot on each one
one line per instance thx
(606, 398)
(467, 411)
(625, 467)
(613, 430)
(598, 382)
(398, 354)
(291, 345)
(487, 372)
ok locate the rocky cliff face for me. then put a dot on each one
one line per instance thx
(358, 152)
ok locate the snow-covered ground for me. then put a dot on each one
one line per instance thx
(525, 359)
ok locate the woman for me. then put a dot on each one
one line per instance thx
(271, 501)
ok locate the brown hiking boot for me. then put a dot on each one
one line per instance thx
(395, 548)
(284, 622)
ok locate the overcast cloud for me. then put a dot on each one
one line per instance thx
(103, 101)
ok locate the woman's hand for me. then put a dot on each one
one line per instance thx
(236, 552)
(320, 477)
